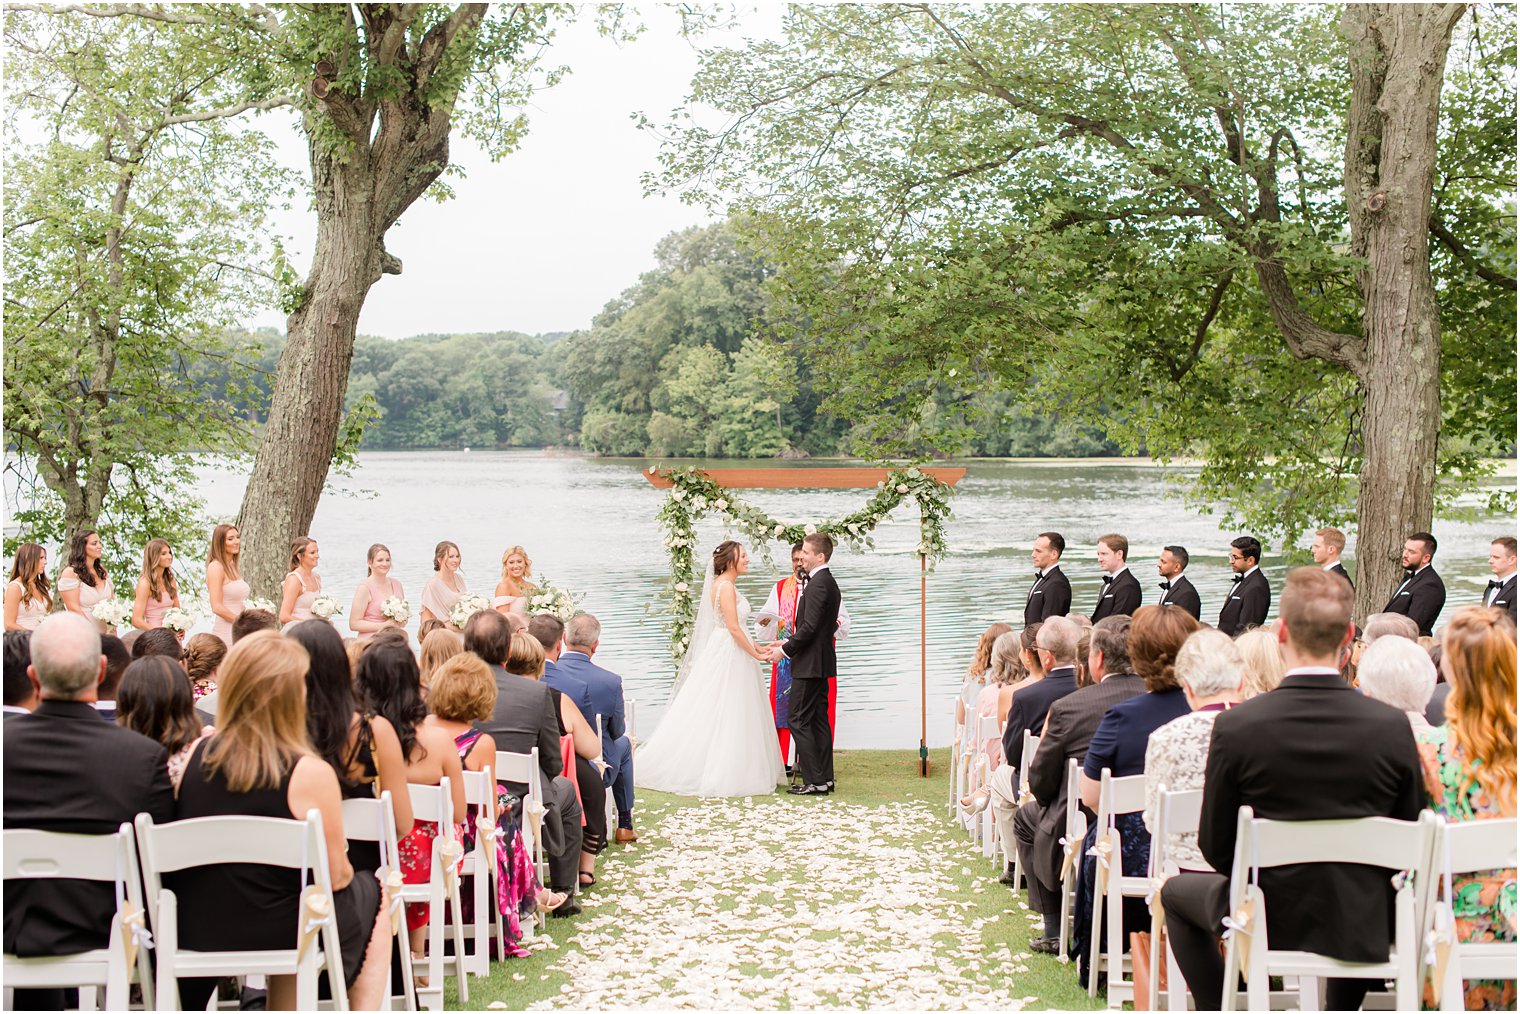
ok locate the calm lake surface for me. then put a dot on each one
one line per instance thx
(589, 525)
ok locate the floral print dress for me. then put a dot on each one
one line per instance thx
(1484, 902)
(517, 883)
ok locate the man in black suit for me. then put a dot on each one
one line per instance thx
(1050, 595)
(1328, 545)
(1120, 595)
(1176, 589)
(1056, 647)
(1250, 597)
(811, 649)
(1069, 726)
(1313, 749)
(20, 695)
(1422, 595)
(66, 770)
(1500, 593)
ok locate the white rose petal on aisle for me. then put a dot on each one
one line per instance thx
(466, 607)
(113, 612)
(325, 607)
(396, 608)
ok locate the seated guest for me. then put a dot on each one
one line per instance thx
(1377, 626)
(1037, 826)
(1056, 647)
(583, 636)
(440, 646)
(1261, 660)
(976, 674)
(1313, 749)
(1469, 768)
(1210, 671)
(1084, 644)
(66, 770)
(158, 641)
(259, 763)
(428, 625)
(526, 717)
(251, 621)
(20, 695)
(117, 657)
(155, 701)
(390, 687)
(1006, 676)
(203, 656)
(1399, 673)
(1156, 635)
(549, 631)
(580, 749)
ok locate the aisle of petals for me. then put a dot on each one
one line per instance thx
(775, 903)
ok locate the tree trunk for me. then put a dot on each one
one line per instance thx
(1398, 61)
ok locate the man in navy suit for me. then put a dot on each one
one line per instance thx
(1121, 591)
(1250, 597)
(1500, 593)
(549, 631)
(1422, 594)
(583, 636)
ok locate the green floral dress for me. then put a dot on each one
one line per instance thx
(1483, 903)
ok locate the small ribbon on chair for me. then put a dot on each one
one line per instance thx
(316, 912)
(394, 885)
(1153, 899)
(1101, 851)
(1239, 924)
(135, 934)
(1025, 796)
(1438, 944)
(1068, 858)
(450, 853)
(486, 832)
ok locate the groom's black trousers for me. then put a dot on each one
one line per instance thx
(810, 730)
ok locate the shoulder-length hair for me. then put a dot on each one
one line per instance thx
(160, 579)
(154, 699)
(1156, 635)
(516, 551)
(260, 712)
(218, 552)
(982, 660)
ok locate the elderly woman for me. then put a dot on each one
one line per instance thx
(1212, 677)
(1262, 659)
(1399, 672)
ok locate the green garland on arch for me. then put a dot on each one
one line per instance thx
(695, 495)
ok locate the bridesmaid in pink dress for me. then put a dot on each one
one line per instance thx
(84, 583)
(364, 616)
(303, 584)
(157, 591)
(444, 588)
(227, 591)
(27, 599)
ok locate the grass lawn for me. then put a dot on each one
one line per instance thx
(870, 898)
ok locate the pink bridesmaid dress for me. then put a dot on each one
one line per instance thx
(235, 598)
(153, 612)
(302, 609)
(372, 608)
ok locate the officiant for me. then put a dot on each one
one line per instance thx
(776, 622)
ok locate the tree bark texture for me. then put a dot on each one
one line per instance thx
(1398, 62)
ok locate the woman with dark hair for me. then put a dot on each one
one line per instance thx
(27, 599)
(84, 582)
(303, 584)
(157, 591)
(154, 699)
(390, 687)
(20, 694)
(445, 587)
(225, 588)
(362, 748)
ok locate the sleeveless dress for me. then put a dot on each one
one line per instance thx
(31, 611)
(372, 608)
(517, 883)
(235, 598)
(438, 598)
(90, 596)
(302, 608)
(154, 610)
(717, 736)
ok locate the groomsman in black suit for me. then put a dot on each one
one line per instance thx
(1121, 592)
(1329, 544)
(1422, 595)
(1176, 589)
(1250, 596)
(1501, 590)
(811, 649)
(1050, 595)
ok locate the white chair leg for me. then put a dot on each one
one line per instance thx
(166, 928)
(1308, 993)
(1176, 986)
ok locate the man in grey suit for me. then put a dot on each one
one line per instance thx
(1069, 727)
(524, 718)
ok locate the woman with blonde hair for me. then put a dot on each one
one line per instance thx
(439, 646)
(1005, 675)
(976, 673)
(1470, 775)
(303, 584)
(514, 589)
(27, 598)
(1262, 660)
(260, 763)
(225, 588)
(157, 591)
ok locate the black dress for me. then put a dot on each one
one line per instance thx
(593, 791)
(363, 855)
(253, 906)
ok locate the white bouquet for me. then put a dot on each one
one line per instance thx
(325, 607)
(466, 607)
(553, 600)
(396, 608)
(268, 605)
(113, 612)
(179, 620)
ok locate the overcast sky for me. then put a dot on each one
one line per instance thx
(543, 239)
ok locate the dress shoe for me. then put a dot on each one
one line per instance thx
(1045, 945)
(1009, 877)
(830, 786)
(626, 835)
(569, 908)
(808, 790)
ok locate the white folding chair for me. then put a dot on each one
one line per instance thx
(957, 769)
(1370, 841)
(611, 804)
(479, 868)
(1177, 812)
(436, 803)
(1071, 851)
(375, 820)
(522, 769)
(1030, 744)
(1116, 796)
(105, 858)
(1468, 847)
(268, 841)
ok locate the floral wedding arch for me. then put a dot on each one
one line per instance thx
(695, 493)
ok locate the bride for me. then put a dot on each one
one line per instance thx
(717, 737)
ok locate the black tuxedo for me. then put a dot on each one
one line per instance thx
(1183, 595)
(1421, 598)
(66, 770)
(811, 649)
(1506, 598)
(1119, 597)
(1028, 707)
(1049, 596)
(1247, 604)
(1341, 572)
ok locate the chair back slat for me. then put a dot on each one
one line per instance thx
(1126, 795)
(517, 768)
(1181, 810)
(31, 855)
(479, 787)
(433, 802)
(1026, 754)
(1370, 841)
(272, 841)
(1480, 845)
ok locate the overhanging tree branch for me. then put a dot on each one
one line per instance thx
(1467, 257)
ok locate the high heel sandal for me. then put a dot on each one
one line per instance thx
(548, 901)
(975, 803)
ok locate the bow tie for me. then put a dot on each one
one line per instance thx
(804, 579)
(1495, 585)
(1038, 575)
(1108, 578)
(1165, 586)
(1410, 572)
(1238, 578)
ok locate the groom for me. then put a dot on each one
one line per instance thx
(811, 651)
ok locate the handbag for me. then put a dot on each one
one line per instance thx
(1140, 961)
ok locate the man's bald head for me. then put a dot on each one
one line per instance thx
(1059, 636)
(66, 656)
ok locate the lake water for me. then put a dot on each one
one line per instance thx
(589, 525)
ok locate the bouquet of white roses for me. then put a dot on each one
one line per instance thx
(113, 612)
(268, 605)
(466, 607)
(325, 607)
(396, 608)
(179, 620)
(550, 599)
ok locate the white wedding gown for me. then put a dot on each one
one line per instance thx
(717, 737)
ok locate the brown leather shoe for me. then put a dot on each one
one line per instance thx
(626, 836)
